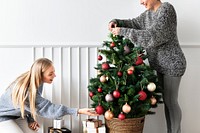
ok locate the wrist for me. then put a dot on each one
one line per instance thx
(78, 111)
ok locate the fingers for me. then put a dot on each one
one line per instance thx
(113, 28)
(38, 125)
(92, 112)
(111, 25)
(91, 109)
(34, 126)
(115, 31)
(88, 111)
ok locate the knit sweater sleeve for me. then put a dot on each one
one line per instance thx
(161, 30)
(135, 23)
(47, 109)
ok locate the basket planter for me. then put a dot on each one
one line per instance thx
(129, 125)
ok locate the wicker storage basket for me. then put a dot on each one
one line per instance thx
(129, 125)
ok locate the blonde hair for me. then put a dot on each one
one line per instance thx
(26, 85)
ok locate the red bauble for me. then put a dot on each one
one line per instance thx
(99, 109)
(119, 74)
(100, 57)
(112, 44)
(91, 94)
(105, 66)
(130, 70)
(142, 96)
(121, 116)
(100, 89)
(116, 94)
(139, 61)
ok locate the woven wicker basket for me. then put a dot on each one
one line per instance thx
(130, 125)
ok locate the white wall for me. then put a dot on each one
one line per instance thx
(43, 22)
(81, 20)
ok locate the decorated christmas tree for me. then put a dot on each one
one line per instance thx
(125, 86)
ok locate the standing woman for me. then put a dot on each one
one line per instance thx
(23, 99)
(156, 30)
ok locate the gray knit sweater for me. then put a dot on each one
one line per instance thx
(43, 106)
(157, 33)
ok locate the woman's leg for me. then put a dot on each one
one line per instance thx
(161, 83)
(172, 108)
(10, 126)
(22, 123)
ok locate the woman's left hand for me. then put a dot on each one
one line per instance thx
(115, 31)
(88, 111)
(34, 126)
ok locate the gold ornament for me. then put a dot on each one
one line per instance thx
(103, 79)
(98, 72)
(153, 101)
(108, 115)
(131, 68)
(126, 108)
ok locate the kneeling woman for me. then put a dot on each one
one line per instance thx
(23, 99)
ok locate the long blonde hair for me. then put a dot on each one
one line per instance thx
(26, 85)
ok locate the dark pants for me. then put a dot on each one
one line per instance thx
(170, 97)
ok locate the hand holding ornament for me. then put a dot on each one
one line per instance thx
(111, 25)
(115, 31)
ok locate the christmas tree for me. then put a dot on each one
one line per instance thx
(125, 86)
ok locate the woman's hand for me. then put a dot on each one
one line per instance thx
(111, 25)
(115, 31)
(88, 111)
(34, 126)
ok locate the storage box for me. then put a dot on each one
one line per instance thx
(55, 130)
(92, 123)
(58, 124)
(101, 129)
